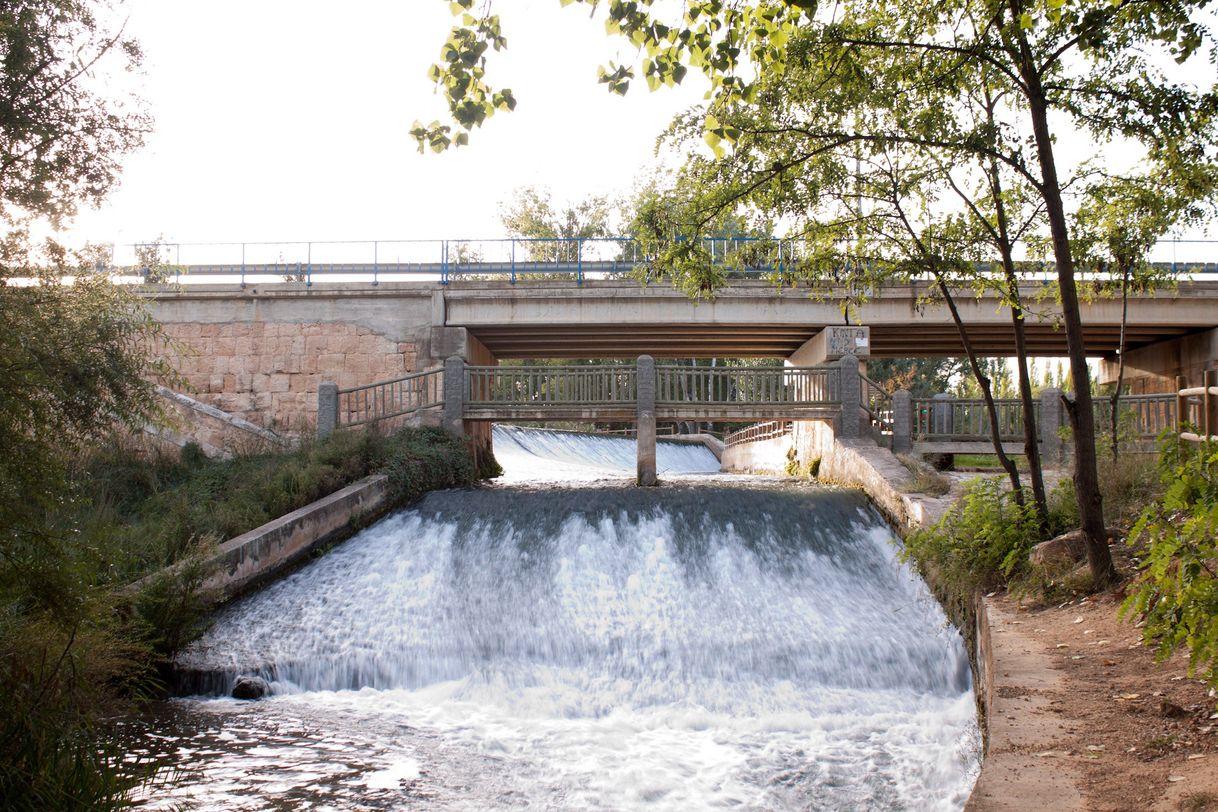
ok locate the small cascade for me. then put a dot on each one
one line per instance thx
(692, 646)
(544, 454)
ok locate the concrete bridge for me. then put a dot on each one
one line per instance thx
(262, 351)
(466, 398)
(838, 397)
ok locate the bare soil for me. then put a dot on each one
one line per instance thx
(1136, 734)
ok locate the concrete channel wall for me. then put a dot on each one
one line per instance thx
(1004, 672)
(266, 551)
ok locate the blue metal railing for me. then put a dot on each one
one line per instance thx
(514, 258)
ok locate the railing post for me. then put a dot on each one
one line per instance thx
(645, 422)
(902, 422)
(1209, 401)
(850, 393)
(1052, 418)
(454, 395)
(1181, 403)
(327, 409)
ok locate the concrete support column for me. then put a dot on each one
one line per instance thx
(645, 423)
(454, 396)
(902, 422)
(850, 392)
(327, 408)
(1052, 418)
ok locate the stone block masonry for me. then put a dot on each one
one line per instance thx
(269, 372)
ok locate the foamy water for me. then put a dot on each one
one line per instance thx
(695, 646)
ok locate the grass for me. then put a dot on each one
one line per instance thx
(158, 507)
(77, 647)
(988, 462)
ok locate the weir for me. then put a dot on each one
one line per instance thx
(720, 642)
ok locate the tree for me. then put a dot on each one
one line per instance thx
(63, 129)
(1094, 66)
(922, 377)
(74, 362)
(557, 232)
(1118, 224)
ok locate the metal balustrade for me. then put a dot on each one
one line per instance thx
(543, 386)
(1150, 414)
(963, 419)
(1197, 408)
(517, 258)
(613, 392)
(759, 431)
(385, 399)
(746, 385)
(877, 403)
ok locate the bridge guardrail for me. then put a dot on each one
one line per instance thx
(551, 385)
(513, 258)
(1198, 407)
(767, 430)
(751, 385)
(382, 400)
(878, 405)
(964, 419)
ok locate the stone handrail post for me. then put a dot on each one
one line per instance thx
(850, 392)
(902, 422)
(645, 425)
(454, 396)
(327, 409)
(1052, 418)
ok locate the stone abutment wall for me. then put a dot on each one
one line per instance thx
(269, 372)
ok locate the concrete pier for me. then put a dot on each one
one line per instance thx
(646, 421)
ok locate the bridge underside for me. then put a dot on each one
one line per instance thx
(782, 340)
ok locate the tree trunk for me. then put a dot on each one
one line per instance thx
(1086, 477)
(1115, 401)
(1031, 439)
(987, 394)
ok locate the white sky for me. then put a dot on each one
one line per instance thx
(288, 120)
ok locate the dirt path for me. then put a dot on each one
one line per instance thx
(1082, 717)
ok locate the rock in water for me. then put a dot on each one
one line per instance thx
(250, 688)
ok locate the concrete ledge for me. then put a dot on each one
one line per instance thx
(712, 443)
(266, 551)
(759, 456)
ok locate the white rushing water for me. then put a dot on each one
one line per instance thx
(697, 646)
(565, 456)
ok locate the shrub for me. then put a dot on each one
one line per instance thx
(981, 542)
(1177, 589)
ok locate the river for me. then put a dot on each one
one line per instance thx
(564, 640)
